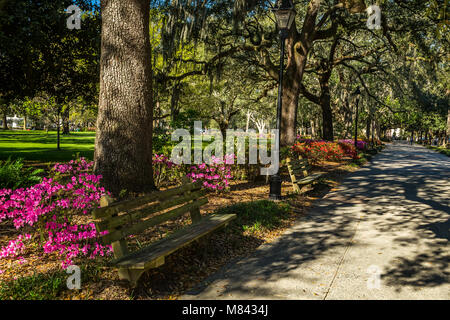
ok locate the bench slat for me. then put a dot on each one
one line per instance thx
(113, 222)
(296, 161)
(143, 258)
(143, 225)
(302, 168)
(134, 203)
(310, 178)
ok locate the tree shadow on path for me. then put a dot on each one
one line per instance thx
(405, 188)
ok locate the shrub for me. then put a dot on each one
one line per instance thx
(13, 175)
(51, 209)
(349, 150)
(215, 176)
(319, 150)
(161, 141)
(360, 144)
(316, 151)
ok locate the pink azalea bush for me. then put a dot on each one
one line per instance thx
(214, 176)
(50, 208)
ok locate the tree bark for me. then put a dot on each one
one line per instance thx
(65, 121)
(325, 104)
(327, 122)
(174, 110)
(298, 46)
(348, 118)
(324, 101)
(123, 147)
(223, 131)
(442, 137)
(249, 115)
(291, 93)
(368, 127)
(5, 122)
(447, 143)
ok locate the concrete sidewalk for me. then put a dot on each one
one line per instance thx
(390, 218)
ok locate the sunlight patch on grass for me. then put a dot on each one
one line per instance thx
(41, 146)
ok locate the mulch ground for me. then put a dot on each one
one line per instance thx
(189, 266)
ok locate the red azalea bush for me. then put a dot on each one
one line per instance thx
(319, 150)
(349, 150)
(51, 214)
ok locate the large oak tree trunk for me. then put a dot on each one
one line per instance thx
(368, 127)
(123, 147)
(327, 113)
(298, 47)
(324, 101)
(327, 121)
(291, 93)
(174, 109)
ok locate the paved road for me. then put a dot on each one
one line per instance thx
(389, 218)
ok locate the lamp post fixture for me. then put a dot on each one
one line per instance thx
(356, 93)
(284, 12)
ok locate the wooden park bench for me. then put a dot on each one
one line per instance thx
(299, 171)
(132, 217)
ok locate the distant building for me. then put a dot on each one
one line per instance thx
(391, 133)
(15, 122)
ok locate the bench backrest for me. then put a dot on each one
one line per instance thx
(296, 166)
(132, 217)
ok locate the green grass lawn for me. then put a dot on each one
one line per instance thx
(41, 147)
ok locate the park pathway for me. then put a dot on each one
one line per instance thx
(389, 218)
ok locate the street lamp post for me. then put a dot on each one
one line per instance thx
(58, 129)
(373, 132)
(284, 12)
(356, 93)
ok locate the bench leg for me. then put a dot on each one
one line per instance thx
(202, 243)
(131, 275)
